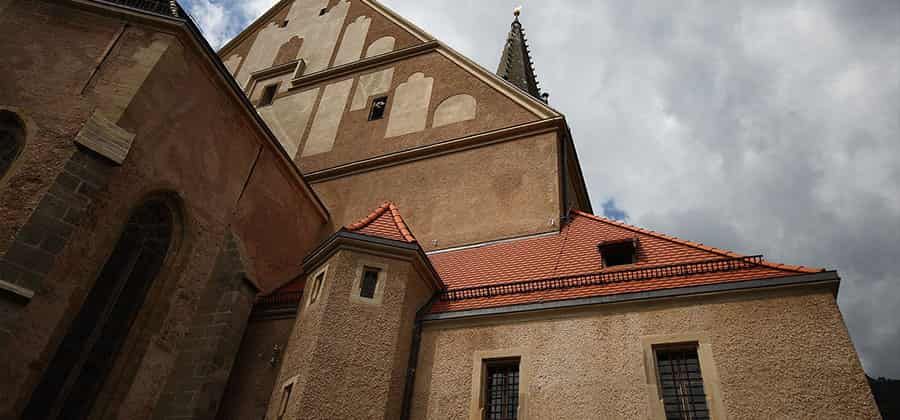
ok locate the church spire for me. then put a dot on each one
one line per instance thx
(516, 65)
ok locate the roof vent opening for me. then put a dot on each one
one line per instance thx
(618, 252)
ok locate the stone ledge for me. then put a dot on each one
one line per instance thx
(17, 292)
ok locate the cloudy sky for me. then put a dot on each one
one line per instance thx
(760, 126)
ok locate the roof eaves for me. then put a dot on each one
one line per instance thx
(807, 279)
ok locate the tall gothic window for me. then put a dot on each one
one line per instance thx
(83, 361)
(12, 140)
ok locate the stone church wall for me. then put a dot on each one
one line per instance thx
(772, 354)
(68, 68)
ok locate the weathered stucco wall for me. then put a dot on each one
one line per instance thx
(781, 354)
(191, 139)
(253, 376)
(358, 138)
(325, 40)
(347, 358)
(505, 190)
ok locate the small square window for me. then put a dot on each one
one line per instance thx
(323, 11)
(316, 287)
(369, 283)
(268, 95)
(501, 389)
(378, 107)
(620, 252)
(681, 383)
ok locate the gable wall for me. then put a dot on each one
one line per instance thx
(461, 198)
(419, 85)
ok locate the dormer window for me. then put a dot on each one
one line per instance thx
(618, 252)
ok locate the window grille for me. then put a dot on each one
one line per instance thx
(502, 391)
(681, 384)
(369, 282)
(316, 287)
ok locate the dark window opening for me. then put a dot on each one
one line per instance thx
(82, 363)
(618, 252)
(681, 383)
(323, 11)
(378, 107)
(283, 23)
(316, 287)
(501, 398)
(369, 283)
(268, 95)
(12, 140)
(285, 399)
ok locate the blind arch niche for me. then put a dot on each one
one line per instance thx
(88, 351)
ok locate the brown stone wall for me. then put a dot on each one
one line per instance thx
(253, 376)
(778, 354)
(278, 224)
(505, 190)
(192, 140)
(347, 359)
(358, 138)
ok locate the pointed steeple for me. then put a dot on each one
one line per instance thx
(516, 65)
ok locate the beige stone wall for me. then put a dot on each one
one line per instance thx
(343, 34)
(346, 358)
(782, 354)
(504, 190)
(417, 113)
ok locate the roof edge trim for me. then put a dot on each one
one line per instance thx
(824, 278)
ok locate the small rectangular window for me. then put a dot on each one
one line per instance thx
(619, 252)
(323, 11)
(501, 398)
(285, 399)
(268, 95)
(378, 107)
(369, 283)
(316, 287)
(681, 383)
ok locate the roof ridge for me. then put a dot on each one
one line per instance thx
(395, 216)
(698, 245)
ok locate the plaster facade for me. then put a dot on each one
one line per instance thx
(779, 354)
(347, 358)
(462, 198)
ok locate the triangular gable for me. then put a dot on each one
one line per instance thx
(533, 105)
(509, 90)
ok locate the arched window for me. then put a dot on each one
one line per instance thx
(12, 139)
(82, 363)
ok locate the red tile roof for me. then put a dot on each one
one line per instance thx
(573, 252)
(384, 222)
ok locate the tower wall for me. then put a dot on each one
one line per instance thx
(347, 356)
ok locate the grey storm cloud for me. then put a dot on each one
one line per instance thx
(760, 126)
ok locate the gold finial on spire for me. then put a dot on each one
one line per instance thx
(517, 11)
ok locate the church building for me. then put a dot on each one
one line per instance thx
(338, 216)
